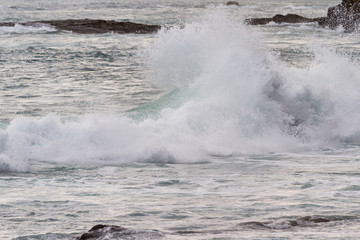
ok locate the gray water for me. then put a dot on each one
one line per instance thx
(181, 131)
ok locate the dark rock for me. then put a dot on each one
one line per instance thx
(99, 230)
(116, 232)
(229, 3)
(289, 18)
(88, 26)
(307, 221)
(314, 219)
(6, 24)
(258, 21)
(346, 15)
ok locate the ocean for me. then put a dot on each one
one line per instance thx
(208, 129)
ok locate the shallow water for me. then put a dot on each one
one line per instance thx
(207, 130)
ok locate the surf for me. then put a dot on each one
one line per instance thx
(226, 94)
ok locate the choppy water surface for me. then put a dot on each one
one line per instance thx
(207, 130)
(219, 195)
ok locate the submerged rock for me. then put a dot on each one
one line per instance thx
(346, 15)
(307, 221)
(113, 232)
(88, 26)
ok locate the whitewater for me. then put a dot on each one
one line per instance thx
(208, 129)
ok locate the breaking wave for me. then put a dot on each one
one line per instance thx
(226, 95)
(22, 29)
(292, 7)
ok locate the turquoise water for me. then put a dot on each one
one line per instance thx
(207, 130)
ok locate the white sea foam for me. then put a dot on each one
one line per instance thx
(249, 6)
(21, 29)
(296, 7)
(236, 98)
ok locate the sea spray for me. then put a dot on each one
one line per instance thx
(229, 75)
(227, 95)
(333, 81)
(91, 139)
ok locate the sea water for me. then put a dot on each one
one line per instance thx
(209, 129)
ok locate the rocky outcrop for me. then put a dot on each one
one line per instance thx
(289, 18)
(116, 232)
(101, 232)
(89, 26)
(230, 3)
(307, 221)
(346, 15)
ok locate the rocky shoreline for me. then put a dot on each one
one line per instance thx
(345, 15)
(91, 26)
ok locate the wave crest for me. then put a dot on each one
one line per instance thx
(227, 95)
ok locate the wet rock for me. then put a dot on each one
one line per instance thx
(230, 3)
(346, 15)
(112, 232)
(315, 219)
(89, 26)
(100, 231)
(289, 18)
(6, 24)
(307, 221)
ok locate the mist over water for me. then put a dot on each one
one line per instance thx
(227, 94)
